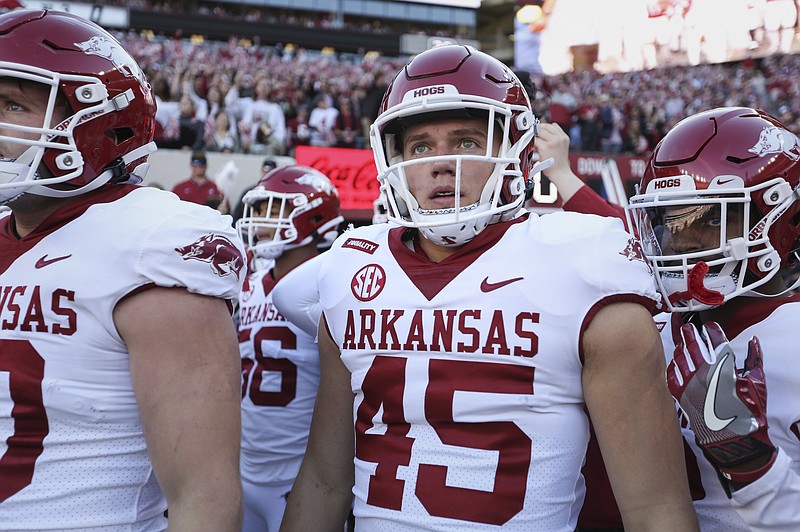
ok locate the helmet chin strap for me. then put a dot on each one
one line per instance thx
(103, 178)
(16, 171)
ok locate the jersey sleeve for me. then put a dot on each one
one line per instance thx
(196, 249)
(297, 296)
(606, 264)
(622, 269)
(772, 502)
(587, 201)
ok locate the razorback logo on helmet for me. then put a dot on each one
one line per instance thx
(219, 252)
(102, 46)
(777, 140)
(317, 181)
(633, 251)
(361, 245)
(368, 282)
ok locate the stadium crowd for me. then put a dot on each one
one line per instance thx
(239, 96)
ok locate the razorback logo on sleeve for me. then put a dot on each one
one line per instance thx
(361, 245)
(219, 252)
(633, 251)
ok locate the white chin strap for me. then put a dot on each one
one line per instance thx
(458, 233)
(270, 251)
(17, 171)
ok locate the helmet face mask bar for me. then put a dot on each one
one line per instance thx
(278, 219)
(717, 210)
(456, 82)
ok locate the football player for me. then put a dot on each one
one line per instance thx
(718, 216)
(119, 391)
(290, 213)
(460, 344)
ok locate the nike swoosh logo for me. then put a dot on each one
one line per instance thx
(725, 181)
(486, 286)
(710, 417)
(44, 261)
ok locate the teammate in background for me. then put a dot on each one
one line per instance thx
(286, 215)
(120, 389)
(721, 192)
(465, 417)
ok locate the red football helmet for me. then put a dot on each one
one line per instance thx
(456, 81)
(717, 209)
(110, 120)
(299, 204)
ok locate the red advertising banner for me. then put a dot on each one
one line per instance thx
(352, 171)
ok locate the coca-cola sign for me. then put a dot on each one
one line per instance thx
(352, 171)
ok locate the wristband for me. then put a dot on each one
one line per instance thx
(746, 477)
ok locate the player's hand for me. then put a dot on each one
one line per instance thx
(552, 141)
(726, 407)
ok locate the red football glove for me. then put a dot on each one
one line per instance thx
(726, 407)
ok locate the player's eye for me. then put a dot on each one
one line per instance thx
(469, 144)
(419, 149)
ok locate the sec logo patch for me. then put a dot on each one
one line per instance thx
(368, 282)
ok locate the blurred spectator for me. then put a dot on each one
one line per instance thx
(268, 165)
(191, 131)
(562, 105)
(215, 103)
(611, 123)
(322, 120)
(265, 117)
(372, 101)
(167, 112)
(265, 141)
(223, 137)
(299, 130)
(587, 117)
(347, 127)
(196, 90)
(633, 139)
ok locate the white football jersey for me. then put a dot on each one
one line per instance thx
(72, 451)
(280, 377)
(469, 409)
(774, 322)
